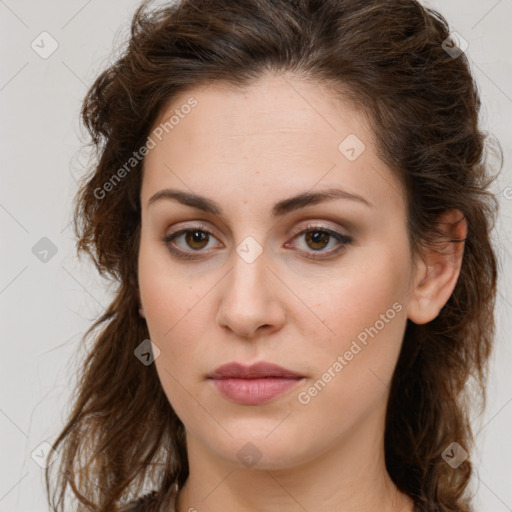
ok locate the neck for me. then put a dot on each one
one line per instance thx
(349, 477)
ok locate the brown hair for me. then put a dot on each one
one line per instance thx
(122, 434)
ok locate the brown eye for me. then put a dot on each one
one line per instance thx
(317, 239)
(189, 243)
(195, 239)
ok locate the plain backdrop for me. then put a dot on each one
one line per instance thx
(48, 299)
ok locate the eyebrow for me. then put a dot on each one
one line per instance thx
(279, 209)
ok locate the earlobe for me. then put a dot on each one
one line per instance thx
(439, 270)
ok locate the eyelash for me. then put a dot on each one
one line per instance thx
(343, 240)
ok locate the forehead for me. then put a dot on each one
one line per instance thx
(273, 104)
(278, 134)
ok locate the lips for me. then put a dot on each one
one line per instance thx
(259, 370)
(253, 385)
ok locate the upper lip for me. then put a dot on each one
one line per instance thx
(255, 371)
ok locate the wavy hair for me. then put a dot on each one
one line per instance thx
(423, 104)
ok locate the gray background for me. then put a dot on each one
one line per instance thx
(46, 306)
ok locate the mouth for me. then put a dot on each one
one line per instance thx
(253, 385)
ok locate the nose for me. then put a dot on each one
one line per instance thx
(250, 303)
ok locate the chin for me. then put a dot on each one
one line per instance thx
(259, 452)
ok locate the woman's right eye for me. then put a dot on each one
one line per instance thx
(193, 238)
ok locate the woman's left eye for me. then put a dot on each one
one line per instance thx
(317, 238)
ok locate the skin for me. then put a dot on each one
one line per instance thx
(247, 150)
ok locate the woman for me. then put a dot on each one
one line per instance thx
(293, 199)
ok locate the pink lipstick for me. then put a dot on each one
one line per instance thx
(253, 385)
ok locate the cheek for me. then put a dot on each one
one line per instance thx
(172, 308)
(353, 369)
(366, 314)
(358, 298)
(167, 295)
(178, 318)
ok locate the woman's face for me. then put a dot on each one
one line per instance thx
(319, 287)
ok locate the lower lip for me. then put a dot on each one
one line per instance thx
(254, 391)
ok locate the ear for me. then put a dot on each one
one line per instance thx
(141, 309)
(438, 269)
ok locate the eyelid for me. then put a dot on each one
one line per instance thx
(296, 231)
(319, 225)
(198, 227)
